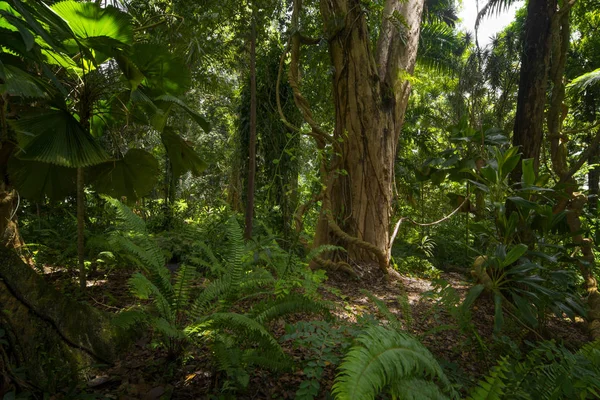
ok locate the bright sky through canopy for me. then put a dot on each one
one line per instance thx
(491, 24)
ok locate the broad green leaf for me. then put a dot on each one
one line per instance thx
(164, 73)
(514, 254)
(528, 172)
(489, 174)
(472, 295)
(89, 20)
(134, 176)
(522, 203)
(195, 116)
(34, 179)
(498, 315)
(58, 138)
(19, 24)
(182, 156)
(525, 310)
(20, 84)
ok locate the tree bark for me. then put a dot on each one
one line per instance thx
(72, 335)
(531, 100)
(574, 202)
(594, 181)
(252, 144)
(370, 94)
(81, 229)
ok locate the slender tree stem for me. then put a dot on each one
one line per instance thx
(81, 228)
(252, 149)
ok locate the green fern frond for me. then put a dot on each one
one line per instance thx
(129, 220)
(381, 357)
(384, 310)
(273, 361)
(182, 288)
(144, 289)
(168, 329)
(246, 329)
(291, 304)
(255, 280)
(323, 249)
(214, 264)
(417, 389)
(235, 252)
(129, 318)
(493, 385)
(213, 291)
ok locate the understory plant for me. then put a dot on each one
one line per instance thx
(548, 371)
(184, 311)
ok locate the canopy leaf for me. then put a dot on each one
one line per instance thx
(56, 137)
(183, 157)
(134, 176)
(34, 179)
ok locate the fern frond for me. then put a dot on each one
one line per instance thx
(247, 329)
(129, 318)
(384, 310)
(214, 264)
(215, 289)
(256, 279)
(323, 249)
(235, 252)
(417, 389)
(144, 289)
(381, 357)
(493, 385)
(291, 304)
(168, 329)
(273, 361)
(130, 221)
(182, 288)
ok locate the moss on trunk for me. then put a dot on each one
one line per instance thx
(54, 338)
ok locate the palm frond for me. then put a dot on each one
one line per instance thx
(584, 81)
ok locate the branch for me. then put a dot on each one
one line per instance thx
(427, 224)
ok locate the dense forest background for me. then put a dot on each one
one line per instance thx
(345, 199)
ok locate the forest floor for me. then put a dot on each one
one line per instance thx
(466, 355)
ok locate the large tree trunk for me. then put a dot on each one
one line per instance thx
(56, 340)
(370, 97)
(531, 100)
(574, 202)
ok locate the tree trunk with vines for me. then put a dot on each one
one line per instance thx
(575, 202)
(370, 91)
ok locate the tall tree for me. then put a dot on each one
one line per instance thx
(531, 101)
(252, 143)
(370, 95)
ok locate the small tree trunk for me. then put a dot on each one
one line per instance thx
(81, 228)
(252, 145)
(594, 181)
(531, 100)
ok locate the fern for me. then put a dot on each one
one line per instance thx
(289, 305)
(246, 328)
(492, 386)
(381, 357)
(144, 289)
(235, 252)
(384, 310)
(182, 288)
(417, 389)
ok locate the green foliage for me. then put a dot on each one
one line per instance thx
(323, 345)
(549, 371)
(523, 287)
(384, 357)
